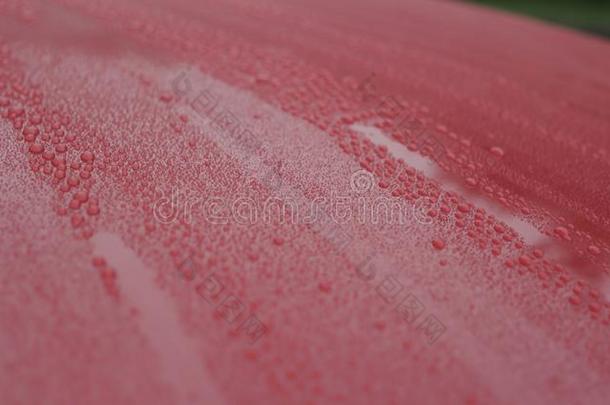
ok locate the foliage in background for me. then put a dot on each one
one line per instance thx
(592, 16)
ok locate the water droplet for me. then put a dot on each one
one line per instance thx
(87, 156)
(36, 148)
(438, 244)
(562, 232)
(324, 287)
(594, 250)
(496, 150)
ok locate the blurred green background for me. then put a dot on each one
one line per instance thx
(592, 16)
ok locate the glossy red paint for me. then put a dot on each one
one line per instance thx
(314, 202)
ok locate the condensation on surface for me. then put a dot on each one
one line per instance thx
(129, 135)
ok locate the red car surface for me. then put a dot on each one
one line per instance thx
(301, 202)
